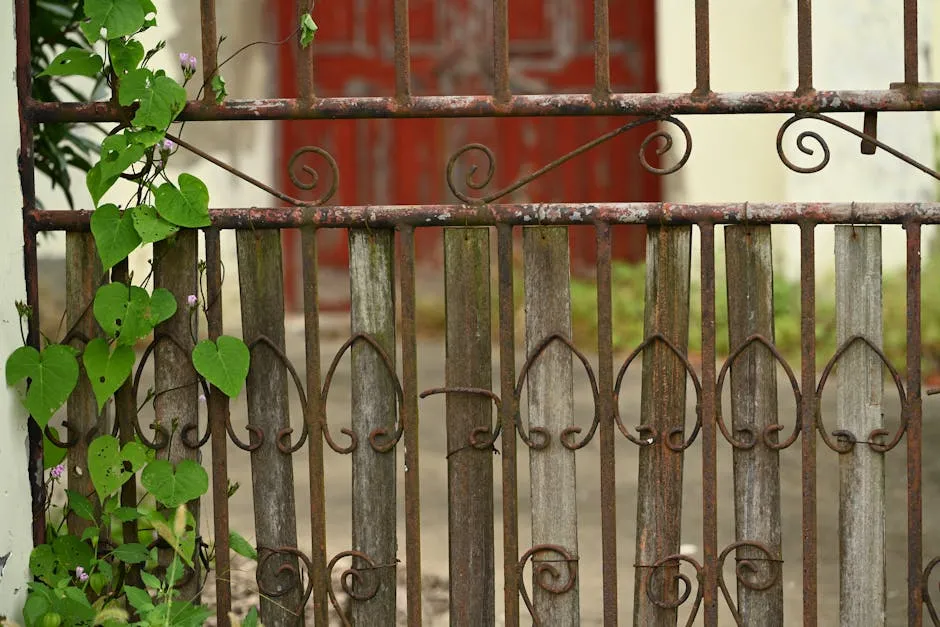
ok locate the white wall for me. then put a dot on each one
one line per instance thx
(15, 527)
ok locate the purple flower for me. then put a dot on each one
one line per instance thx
(202, 398)
(80, 574)
(191, 300)
(187, 64)
(164, 148)
(57, 471)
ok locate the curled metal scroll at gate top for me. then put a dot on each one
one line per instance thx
(472, 182)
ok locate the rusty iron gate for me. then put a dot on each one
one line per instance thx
(298, 582)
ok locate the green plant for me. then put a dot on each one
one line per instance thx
(105, 577)
(58, 147)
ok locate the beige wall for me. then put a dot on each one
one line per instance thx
(15, 504)
(857, 44)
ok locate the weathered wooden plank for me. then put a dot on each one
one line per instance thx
(749, 266)
(662, 408)
(83, 274)
(411, 424)
(262, 301)
(371, 278)
(176, 387)
(858, 410)
(553, 489)
(469, 469)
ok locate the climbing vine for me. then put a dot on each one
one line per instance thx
(98, 578)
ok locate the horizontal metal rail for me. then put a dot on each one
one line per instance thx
(923, 97)
(532, 214)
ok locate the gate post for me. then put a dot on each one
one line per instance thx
(15, 528)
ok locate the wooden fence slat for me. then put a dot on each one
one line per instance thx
(469, 469)
(749, 265)
(859, 393)
(662, 407)
(83, 273)
(551, 407)
(176, 387)
(260, 279)
(371, 278)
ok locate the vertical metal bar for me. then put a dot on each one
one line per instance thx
(218, 407)
(750, 272)
(709, 430)
(915, 520)
(176, 400)
(605, 382)
(314, 409)
(808, 418)
(371, 269)
(260, 278)
(210, 45)
(501, 89)
(662, 408)
(804, 38)
(125, 411)
(551, 407)
(24, 88)
(702, 48)
(911, 73)
(402, 51)
(409, 358)
(305, 86)
(469, 469)
(601, 49)
(859, 391)
(83, 272)
(507, 419)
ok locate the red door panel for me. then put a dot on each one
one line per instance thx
(404, 162)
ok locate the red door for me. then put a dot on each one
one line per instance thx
(404, 161)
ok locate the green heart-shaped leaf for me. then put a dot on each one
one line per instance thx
(52, 376)
(132, 553)
(150, 226)
(74, 62)
(162, 306)
(129, 313)
(224, 365)
(160, 97)
(80, 504)
(172, 487)
(107, 371)
(240, 545)
(52, 455)
(118, 153)
(42, 564)
(308, 29)
(187, 206)
(115, 235)
(106, 463)
(72, 552)
(125, 55)
(118, 18)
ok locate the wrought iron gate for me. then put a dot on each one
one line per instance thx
(392, 406)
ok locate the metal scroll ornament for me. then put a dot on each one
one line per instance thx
(474, 182)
